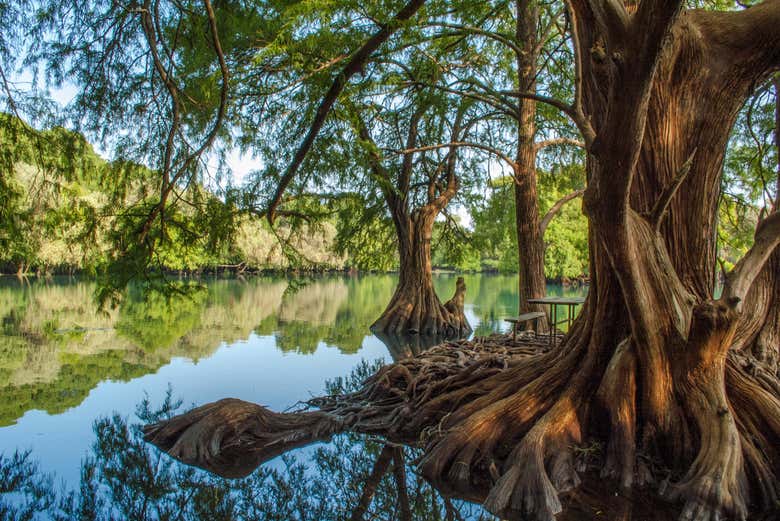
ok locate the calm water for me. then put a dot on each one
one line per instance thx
(274, 341)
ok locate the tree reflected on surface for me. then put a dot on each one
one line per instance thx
(351, 478)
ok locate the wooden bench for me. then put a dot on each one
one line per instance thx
(522, 319)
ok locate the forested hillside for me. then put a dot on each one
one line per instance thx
(63, 200)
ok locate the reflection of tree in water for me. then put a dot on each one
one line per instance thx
(335, 311)
(155, 320)
(55, 347)
(367, 298)
(124, 478)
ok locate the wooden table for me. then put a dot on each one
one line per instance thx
(554, 302)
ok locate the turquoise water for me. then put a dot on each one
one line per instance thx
(64, 366)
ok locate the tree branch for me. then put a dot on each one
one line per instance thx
(453, 182)
(662, 204)
(548, 217)
(613, 18)
(558, 141)
(458, 144)
(355, 65)
(573, 111)
(470, 29)
(747, 269)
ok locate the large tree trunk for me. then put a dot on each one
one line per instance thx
(415, 307)
(530, 244)
(663, 114)
(648, 371)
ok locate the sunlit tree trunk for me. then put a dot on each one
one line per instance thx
(415, 306)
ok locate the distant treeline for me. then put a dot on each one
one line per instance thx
(63, 207)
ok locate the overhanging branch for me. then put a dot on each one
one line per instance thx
(459, 144)
(355, 65)
(747, 269)
(558, 141)
(548, 217)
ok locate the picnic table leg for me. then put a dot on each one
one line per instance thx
(552, 324)
(536, 327)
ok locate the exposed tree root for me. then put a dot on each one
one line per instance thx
(617, 394)
(232, 437)
(416, 309)
(502, 422)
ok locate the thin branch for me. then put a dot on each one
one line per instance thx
(501, 105)
(662, 204)
(458, 144)
(573, 111)
(470, 29)
(548, 217)
(747, 269)
(558, 141)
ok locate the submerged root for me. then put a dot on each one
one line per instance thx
(530, 488)
(415, 311)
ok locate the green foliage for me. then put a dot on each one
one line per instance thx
(750, 183)
(566, 238)
(68, 209)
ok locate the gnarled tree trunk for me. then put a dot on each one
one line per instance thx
(415, 307)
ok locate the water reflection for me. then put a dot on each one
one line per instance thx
(124, 478)
(405, 346)
(351, 478)
(55, 347)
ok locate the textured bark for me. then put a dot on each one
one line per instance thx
(655, 107)
(415, 307)
(758, 335)
(654, 369)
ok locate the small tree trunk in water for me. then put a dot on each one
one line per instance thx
(415, 307)
(530, 244)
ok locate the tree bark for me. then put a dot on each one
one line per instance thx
(758, 335)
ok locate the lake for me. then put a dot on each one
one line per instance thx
(73, 377)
